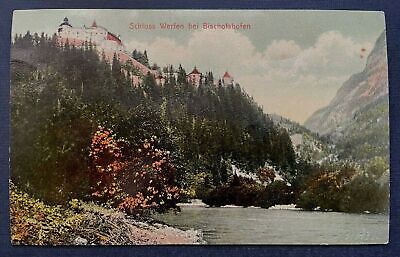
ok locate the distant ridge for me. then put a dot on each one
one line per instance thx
(357, 92)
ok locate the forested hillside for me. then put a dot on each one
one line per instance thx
(367, 136)
(69, 107)
(308, 145)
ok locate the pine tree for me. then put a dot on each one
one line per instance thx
(181, 79)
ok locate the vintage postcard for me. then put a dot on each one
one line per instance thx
(198, 127)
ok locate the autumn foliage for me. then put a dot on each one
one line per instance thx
(133, 179)
(266, 175)
(107, 163)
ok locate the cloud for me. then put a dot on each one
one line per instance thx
(284, 78)
(222, 50)
(282, 49)
(163, 51)
(208, 50)
(332, 53)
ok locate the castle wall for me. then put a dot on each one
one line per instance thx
(194, 78)
(228, 80)
(105, 42)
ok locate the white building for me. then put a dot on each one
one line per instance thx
(106, 43)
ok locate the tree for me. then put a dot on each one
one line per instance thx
(181, 79)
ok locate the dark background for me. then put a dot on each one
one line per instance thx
(392, 13)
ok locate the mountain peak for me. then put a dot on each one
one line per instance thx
(357, 92)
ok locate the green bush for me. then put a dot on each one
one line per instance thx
(365, 194)
(279, 192)
(200, 186)
(246, 192)
(349, 189)
(34, 223)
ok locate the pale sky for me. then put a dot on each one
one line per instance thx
(291, 62)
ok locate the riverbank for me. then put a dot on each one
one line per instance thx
(200, 203)
(35, 223)
(123, 229)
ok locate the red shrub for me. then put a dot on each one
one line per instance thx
(107, 163)
(134, 179)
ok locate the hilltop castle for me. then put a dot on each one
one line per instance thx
(195, 77)
(109, 45)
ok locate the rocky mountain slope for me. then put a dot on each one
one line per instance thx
(358, 92)
(367, 136)
(307, 144)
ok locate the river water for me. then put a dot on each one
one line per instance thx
(270, 226)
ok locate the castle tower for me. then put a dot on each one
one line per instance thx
(227, 79)
(65, 23)
(194, 77)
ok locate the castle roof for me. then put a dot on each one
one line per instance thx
(194, 71)
(113, 37)
(227, 75)
(65, 22)
(94, 24)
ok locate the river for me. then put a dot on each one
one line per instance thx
(271, 226)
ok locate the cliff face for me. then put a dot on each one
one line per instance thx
(359, 91)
